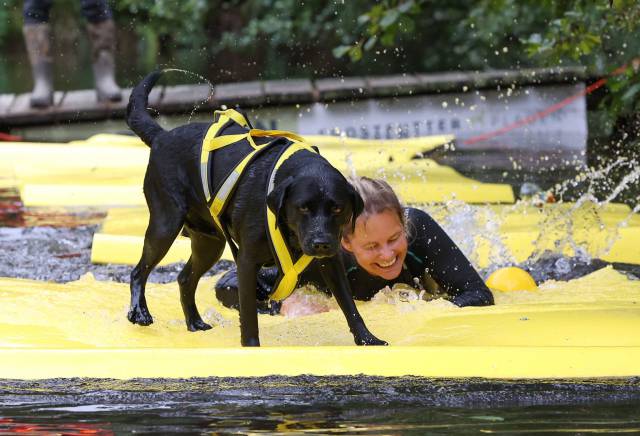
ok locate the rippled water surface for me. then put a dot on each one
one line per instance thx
(321, 405)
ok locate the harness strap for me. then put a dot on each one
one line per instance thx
(285, 133)
(212, 142)
(224, 193)
(235, 116)
(289, 270)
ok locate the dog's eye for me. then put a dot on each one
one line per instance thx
(336, 210)
(303, 209)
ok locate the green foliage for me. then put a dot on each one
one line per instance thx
(382, 24)
(293, 38)
(10, 19)
(184, 24)
(287, 38)
(441, 36)
(464, 34)
(291, 23)
(602, 35)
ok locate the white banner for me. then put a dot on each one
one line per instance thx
(466, 115)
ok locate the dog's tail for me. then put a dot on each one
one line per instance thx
(138, 118)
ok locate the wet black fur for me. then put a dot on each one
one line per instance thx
(311, 199)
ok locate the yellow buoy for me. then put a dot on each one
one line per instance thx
(511, 279)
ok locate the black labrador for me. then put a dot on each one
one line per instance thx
(311, 200)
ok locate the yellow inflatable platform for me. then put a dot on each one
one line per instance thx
(584, 328)
(488, 234)
(108, 170)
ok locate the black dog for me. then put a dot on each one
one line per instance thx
(311, 200)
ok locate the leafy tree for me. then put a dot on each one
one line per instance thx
(601, 35)
(183, 24)
(10, 20)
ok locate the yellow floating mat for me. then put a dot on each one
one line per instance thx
(519, 230)
(419, 181)
(66, 174)
(581, 328)
(34, 158)
(127, 249)
(423, 143)
(417, 192)
(624, 245)
(512, 233)
(75, 175)
(107, 176)
(524, 215)
(82, 195)
(584, 213)
(122, 236)
(111, 140)
(120, 193)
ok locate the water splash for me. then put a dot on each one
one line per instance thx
(201, 78)
(585, 234)
(476, 231)
(564, 236)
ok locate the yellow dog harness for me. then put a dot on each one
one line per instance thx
(289, 270)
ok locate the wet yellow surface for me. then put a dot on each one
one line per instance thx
(108, 170)
(582, 328)
(610, 232)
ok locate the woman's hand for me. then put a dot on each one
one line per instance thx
(473, 298)
(303, 302)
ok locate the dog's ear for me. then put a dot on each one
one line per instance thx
(357, 205)
(276, 199)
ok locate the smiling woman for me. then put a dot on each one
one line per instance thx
(387, 245)
(378, 241)
(378, 244)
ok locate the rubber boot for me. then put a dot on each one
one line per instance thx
(37, 38)
(103, 47)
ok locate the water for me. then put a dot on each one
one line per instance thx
(319, 405)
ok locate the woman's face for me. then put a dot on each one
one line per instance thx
(379, 244)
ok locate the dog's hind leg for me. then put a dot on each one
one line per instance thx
(206, 250)
(163, 229)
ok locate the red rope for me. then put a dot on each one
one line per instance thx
(541, 114)
(7, 137)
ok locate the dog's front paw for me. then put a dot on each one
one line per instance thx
(250, 342)
(198, 324)
(139, 315)
(369, 339)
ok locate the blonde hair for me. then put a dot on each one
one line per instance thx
(377, 197)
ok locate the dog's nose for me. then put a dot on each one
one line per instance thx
(321, 246)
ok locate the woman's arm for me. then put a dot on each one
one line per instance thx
(445, 262)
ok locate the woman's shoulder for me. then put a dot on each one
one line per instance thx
(421, 229)
(415, 217)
